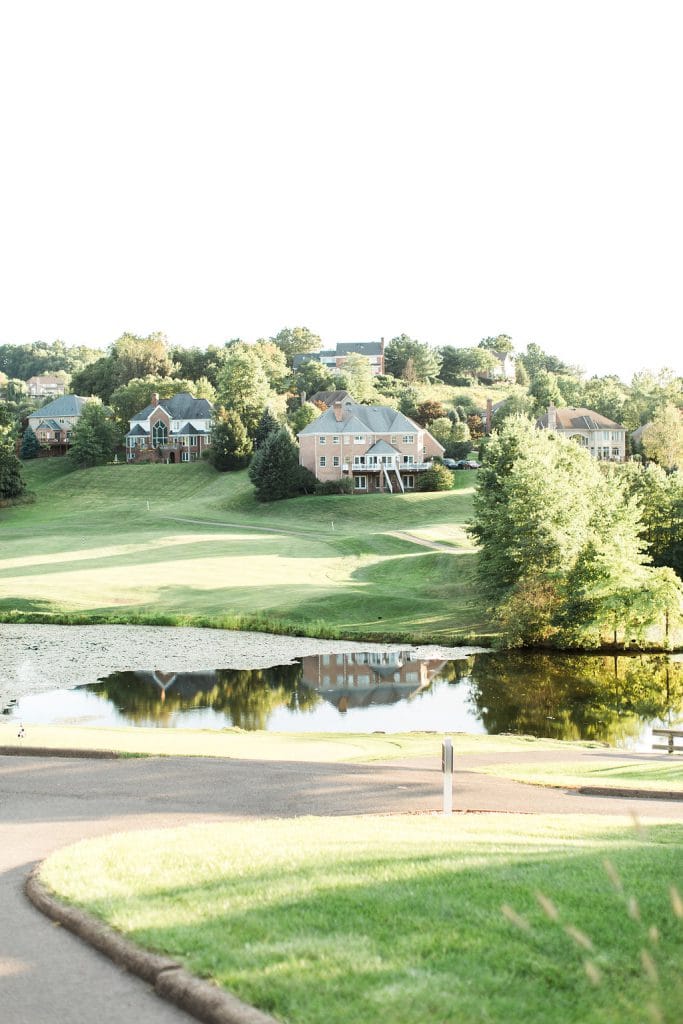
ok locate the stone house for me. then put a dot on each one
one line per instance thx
(45, 385)
(602, 437)
(174, 429)
(54, 423)
(379, 448)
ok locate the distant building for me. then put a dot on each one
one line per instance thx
(360, 680)
(378, 447)
(602, 437)
(334, 358)
(174, 429)
(328, 398)
(54, 423)
(45, 385)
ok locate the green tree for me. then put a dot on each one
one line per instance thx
(425, 360)
(231, 446)
(11, 481)
(297, 341)
(30, 446)
(605, 395)
(95, 437)
(545, 391)
(501, 343)
(274, 363)
(313, 377)
(663, 439)
(356, 377)
(137, 357)
(266, 425)
(438, 478)
(302, 415)
(275, 471)
(243, 385)
(458, 364)
(649, 392)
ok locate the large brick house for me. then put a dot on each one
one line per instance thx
(602, 437)
(174, 429)
(378, 447)
(53, 424)
(45, 385)
(334, 358)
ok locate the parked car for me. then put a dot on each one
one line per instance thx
(465, 464)
(450, 463)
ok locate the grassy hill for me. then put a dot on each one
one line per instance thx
(183, 544)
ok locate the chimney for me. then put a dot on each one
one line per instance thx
(381, 344)
(155, 398)
(338, 411)
(489, 414)
(303, 397)
(552, 417)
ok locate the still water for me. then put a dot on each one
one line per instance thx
(616, 700)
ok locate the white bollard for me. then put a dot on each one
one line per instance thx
(447, 769)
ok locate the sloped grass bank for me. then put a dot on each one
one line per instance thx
(497, 918)
(183, 545)
(658, 776)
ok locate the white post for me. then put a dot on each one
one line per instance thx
(447, 769)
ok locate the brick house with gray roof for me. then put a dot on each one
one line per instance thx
(379, 448)
(176, 429)
(54, 423)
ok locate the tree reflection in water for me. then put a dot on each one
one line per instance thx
(575, 696)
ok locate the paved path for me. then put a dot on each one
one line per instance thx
(49, 977)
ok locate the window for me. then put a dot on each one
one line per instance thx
(359, 439)
(335, 439)
(335, 460)
(408, 438)
(616, 453)
(323, 461)
(409, 482)
(360, 483)
(159, 434)
(393, 438)
(185, 456)
(407, 460)
(322, 439)
(359, 460)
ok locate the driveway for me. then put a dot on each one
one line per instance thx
(47, 976)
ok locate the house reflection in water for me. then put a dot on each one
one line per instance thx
(361, 680)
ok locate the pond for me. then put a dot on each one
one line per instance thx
(616, 700)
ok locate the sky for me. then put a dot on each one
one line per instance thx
(450, 170)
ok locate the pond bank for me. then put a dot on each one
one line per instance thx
(38, 658)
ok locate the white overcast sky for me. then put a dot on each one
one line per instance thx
(446, 169)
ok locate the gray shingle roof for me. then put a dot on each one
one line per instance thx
(382, 448)
(49, 425)
(330, 397)
(364, 348)
(571, 418)
(189, 429)
(181, 407)
(362, 419)
(138, 431)
(65, 405)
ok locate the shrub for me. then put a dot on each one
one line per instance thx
(438, 478)
(343, 486)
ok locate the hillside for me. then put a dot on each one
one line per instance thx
(204, 552)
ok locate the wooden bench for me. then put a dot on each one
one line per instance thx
(671, 735)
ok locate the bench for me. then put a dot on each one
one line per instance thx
(671, 735)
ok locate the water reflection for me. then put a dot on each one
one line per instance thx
(614, 700)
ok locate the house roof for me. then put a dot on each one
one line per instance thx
(637, 434)
(138, 431)
(45, 378)
(189, 429)
(304, 357)
(48, 425)
(572, 418)
(382, 448)
(330, 397)
(362, 419)
(65, 405)
(364, 348)
(181, 407)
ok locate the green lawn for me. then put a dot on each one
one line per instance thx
(90, 548)
(267, 746)
(503, 919)
(662, 776)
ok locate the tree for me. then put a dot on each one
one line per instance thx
(274, 363)
(438, 478)
(275, 471)
(429, 411)
(663, 439)
(297, 341)
(517, 404)
(545, 391)
(356, 377)
(459, 364)
(425, 360)
(95, 437)
(231, 446)
(302, 415)
(501, 343)
(136, 357)
(30, 446)
(649, 392)
(243, 385)
(11, 481)
(313, 376)
(266, 425)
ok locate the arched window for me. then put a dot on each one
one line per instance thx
(159, 434)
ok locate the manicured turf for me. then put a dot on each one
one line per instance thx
(267, 746)
(90, 548)
(659, 775)
(499, 918)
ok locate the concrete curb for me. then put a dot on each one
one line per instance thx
(169, 980)
(58, 752)
(636, 794)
